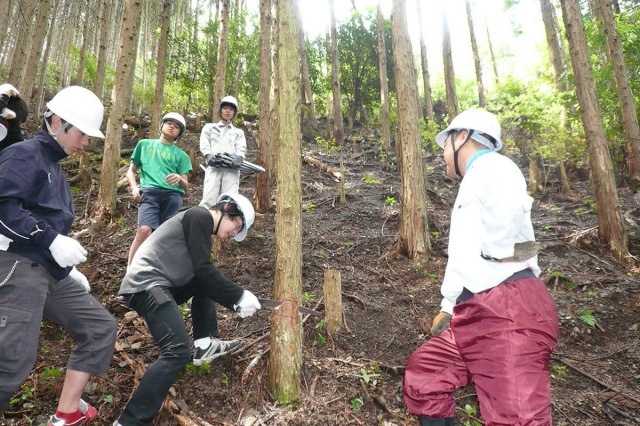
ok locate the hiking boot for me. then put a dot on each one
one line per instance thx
(216, 348)
(85, 415)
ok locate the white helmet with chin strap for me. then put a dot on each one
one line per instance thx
(231, 101)
(178, 118)
(482, 125)
(80, 108)
(245, 207)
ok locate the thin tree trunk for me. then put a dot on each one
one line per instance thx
(262, 198)
(482, 100)
(611, 226)
(120, 97)
(26, 15)
(307, 94)
(285, 359)
(426, 78)
(338, 125)
(83, 48)
(45, 61)
(413, 234)
(45, 8)
(384, 84)
(101, 66)
(604, 13)
(447, 60)
(221, 68)
(158, 99)
(493, 57)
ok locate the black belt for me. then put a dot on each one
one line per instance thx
(467, 294)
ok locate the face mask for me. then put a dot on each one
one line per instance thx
(3, 132)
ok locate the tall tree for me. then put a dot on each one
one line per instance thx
(158, 100)
(447, 60)
(338, 125)
(482, 100)
(39, 95)
(120, 97)
(604, 13)
(221, 68)
(610, 223)
(44, 13)
(413, 234)
(307, 94)
(85, 42)
(384, 83)
(559, 68)
(493, 56)
(101, 65)
(426, 78)
(26, 15)
(262, 196)
(285, 359)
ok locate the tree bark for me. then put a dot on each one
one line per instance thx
(44, 13)
(221, 68)
(262, 196)
(85, 42)
(493, 56)
(285, 360)
(338, 125)
(120, 97)
(413, 235)
(384, 84)
(101, 66)
(307, 94)
(426, 78)
(158, 99)
(482, 100)
(610, 223)
(604, 13)
(447, 60)
(23, 43)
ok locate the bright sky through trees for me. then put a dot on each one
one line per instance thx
(517, 34)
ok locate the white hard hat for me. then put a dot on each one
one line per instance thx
(178, 118)
(79, 107)
(479, 120)
(229, 100)
(245, 206)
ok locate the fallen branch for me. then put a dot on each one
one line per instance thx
(314, 162)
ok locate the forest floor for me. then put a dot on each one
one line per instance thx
(355, 377)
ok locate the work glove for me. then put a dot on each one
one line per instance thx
(67, 251)
(6, 91)
(247, 305)
(237, 161)
(210, 160)
(80, 278)
(440, 323)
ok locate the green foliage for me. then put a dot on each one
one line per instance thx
(26, 393)
(308, 298)
(587, 317)
(310, 208)
(366, 376)
(225, 379)
(50, 372)
(470, 412)
(370, 179)
(326, 144)
(203, 369)
(357, 404)
(319, 326)
(559, 373)
(390, 201)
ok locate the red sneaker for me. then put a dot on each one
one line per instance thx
(85, 415)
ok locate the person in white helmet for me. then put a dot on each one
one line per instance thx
(38, 275)
(218, 138)
(164, 172)
(172, 265)
(498, 322)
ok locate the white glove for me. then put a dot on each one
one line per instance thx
(67, 251)
(247, 305)
(80, 278)
(9, 90)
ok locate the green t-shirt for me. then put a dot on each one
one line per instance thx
(156, 160)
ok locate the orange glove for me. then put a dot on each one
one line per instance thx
(440, 323)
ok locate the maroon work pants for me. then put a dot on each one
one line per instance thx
(500, 340)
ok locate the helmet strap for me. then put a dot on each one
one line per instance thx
(215, 231)
(455, 152)
(61, 129)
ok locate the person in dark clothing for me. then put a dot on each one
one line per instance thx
(13, 113)
(38, 277)
(170, 266)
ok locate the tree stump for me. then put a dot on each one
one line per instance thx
(333, 300)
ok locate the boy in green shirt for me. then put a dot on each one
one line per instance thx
(163, 178)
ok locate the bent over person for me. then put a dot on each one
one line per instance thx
(171, 266)
(498, 323)
(38, 277)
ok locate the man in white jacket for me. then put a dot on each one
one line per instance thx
(218, 138)
(498, 323)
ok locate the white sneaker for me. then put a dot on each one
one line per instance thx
(216, 348)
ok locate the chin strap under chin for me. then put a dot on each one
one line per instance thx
(215, 231)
